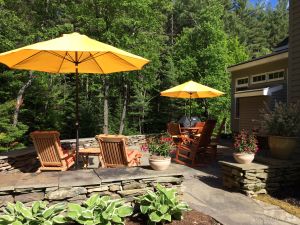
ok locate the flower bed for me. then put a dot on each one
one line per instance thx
(189, 218)
(160, 206)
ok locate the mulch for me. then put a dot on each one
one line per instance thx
(189, 218)
(290, 195)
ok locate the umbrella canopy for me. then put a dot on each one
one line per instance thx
(191, 89)
(72, 53)
(60, 55)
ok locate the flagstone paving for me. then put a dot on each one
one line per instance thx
(202, 190)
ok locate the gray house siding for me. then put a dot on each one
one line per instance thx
(250, 111)
(250, 107)
(294, 52)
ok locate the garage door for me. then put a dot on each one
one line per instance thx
(250, 111)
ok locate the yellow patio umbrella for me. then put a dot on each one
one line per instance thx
(72, 53)
(191, 89)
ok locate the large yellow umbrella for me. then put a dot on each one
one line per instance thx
(72, 53)
(191, 89)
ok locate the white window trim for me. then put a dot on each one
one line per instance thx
(267, 77)
(280, 78)
(259, 82)
(235, 108)
(241, 85)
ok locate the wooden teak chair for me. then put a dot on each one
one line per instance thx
(196, 146)
(50, 152)
(211, 150)
(175, 132)
(114, 152)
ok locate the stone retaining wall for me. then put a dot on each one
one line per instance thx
(132, 140)
(21, 161)
(25, 161)
(266, 176)
(66, 187)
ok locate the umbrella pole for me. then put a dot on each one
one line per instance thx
(77, 115)
(190, 109)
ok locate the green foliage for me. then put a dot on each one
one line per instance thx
(99, 210)
(159, 146)
(188, 39)
(283, 120)
(10, 136)
(161, 206)
(39, 213)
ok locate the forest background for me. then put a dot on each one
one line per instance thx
(184, 39)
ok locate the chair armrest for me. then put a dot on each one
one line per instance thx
(68, 153)
(132, 154)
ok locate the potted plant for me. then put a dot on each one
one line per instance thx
(282, 125)
(245, 145)
(159, 150)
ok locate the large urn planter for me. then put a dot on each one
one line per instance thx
(243, 158)
(159, 163)
(282, 147)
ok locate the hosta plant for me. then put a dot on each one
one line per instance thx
(38, 214)
(99, 210)
(161, 206)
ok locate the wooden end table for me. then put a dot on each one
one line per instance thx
(86, 152)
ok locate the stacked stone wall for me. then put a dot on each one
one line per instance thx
(260, 178)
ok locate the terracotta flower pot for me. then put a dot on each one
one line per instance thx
(159, 163)
(243, 158)
(282, 147)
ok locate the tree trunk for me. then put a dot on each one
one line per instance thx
(20, 98)
(123, 116)
(105, 110)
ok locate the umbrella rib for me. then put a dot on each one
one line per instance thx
(26, 59)
(58, 55)
(72, 60)
(123, 59)
(91, 56)
(98, 64)
(80, 56)
(62, 62)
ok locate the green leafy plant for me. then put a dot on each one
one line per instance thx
(283, 120)
(162, 205)
(39, 213)
(99, 210)
(159, 147)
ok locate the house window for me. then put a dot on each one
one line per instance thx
(237, 108)
(277, 75)
(259, 78)
(242, 82)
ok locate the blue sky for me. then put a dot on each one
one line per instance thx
(273, 2)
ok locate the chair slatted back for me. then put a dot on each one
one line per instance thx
(200, 125)
(113, 150)
(173, 128)
(47, 145)
(205, 137)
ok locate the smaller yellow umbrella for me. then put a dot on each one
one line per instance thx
(191, 89)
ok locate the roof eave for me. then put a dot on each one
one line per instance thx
(260, 61)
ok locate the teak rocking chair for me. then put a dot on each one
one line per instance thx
(114, 152)
(196, 146)
(50, 152)
(177, 135)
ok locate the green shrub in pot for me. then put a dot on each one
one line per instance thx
(282, 125)
(283, 120)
